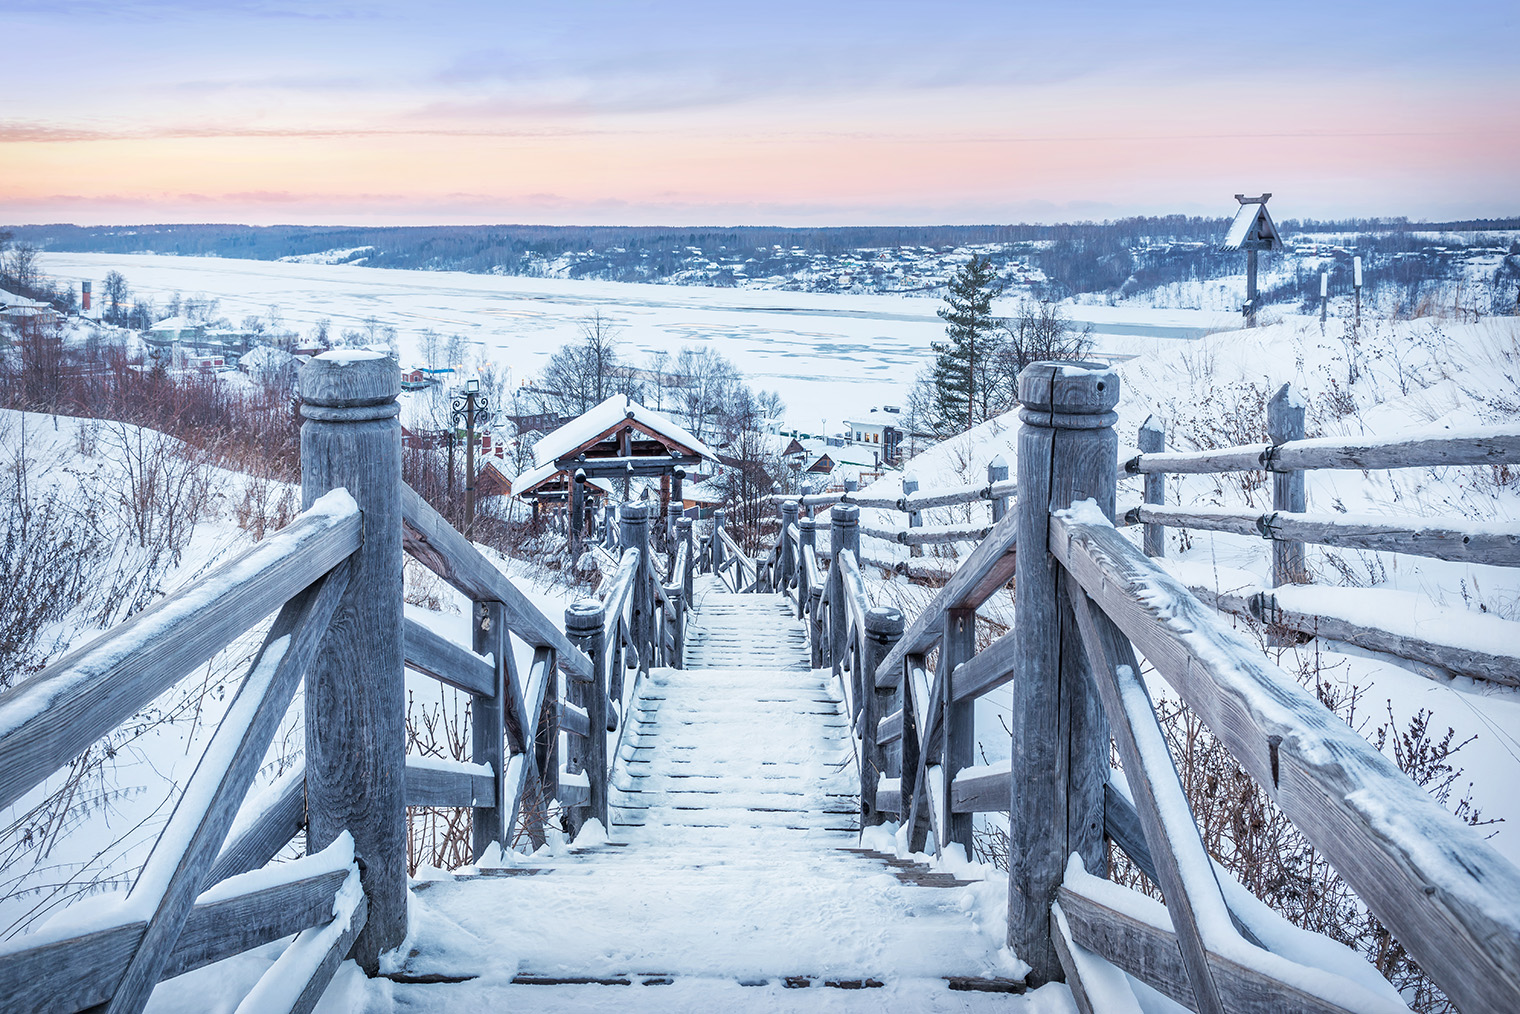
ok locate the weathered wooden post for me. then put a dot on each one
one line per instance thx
(807, 538)
(577, 515)
(675, 594)
(672, 514)
(355, 689)
(1068, 451)
(1285, 421)
(717, 543)
(609, 524)
(997, 471)
(788, 555)
(488, 725)
(634, 520)
(957, 645)
(844, 534)
(683, 535)
(884, 628)
(915, 518)
(583, 626)
(1152, 440)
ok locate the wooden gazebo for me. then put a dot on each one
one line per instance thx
(605, 448)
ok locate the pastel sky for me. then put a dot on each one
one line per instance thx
(760, 112)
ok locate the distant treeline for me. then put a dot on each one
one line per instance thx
(1123, 257)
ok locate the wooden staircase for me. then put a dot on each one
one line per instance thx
(734, 867)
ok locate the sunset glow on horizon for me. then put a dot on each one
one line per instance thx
(685, 113)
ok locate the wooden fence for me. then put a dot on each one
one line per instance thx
(334, 580)
(1289, 525)
(1088, 605)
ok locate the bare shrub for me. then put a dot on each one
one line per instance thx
(438, 835)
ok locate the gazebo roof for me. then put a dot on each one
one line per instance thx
(603, 421)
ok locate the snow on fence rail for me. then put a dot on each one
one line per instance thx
(1444, 892)
(1288, 527)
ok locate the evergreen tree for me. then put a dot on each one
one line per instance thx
(962, 374)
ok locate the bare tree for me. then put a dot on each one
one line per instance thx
(1039, 332)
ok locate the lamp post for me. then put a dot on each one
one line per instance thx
(471, 407)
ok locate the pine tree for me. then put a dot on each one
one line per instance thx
(962, 397)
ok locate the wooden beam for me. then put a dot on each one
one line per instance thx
(75, 973)
(1147, 949)
(1184, 870)
(982, 790)
(890, 729)
(1489, 445)
(985, 671)
(281, 818)
(435, 544)
(1264, 605)
(49, 719)
(1441, 539)
(435, 655)
(1442, 890)
(602, 468)
(437, 785)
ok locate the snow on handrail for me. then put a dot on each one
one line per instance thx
(1446, 894)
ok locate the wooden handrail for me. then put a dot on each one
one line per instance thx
(47, 720)
(1483, 446)
(434, 543)
(1444, 892)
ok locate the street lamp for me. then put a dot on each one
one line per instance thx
(472, 408)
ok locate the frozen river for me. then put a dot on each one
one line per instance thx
(829, 356)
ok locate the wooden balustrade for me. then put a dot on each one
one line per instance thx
(1083, 592)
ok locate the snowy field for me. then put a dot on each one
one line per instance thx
(829, 356)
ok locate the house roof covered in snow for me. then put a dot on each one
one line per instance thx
(1253, 228)
(603, 421)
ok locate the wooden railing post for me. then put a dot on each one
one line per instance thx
(1285, 421)
(844, 534)
(915, 518)
(884, 628)
(807, 538)
(997, 471)
(355, 689)
(683, 535)
(672, 514)
(957, 645)
(634, 521)
(675, 594)
(1067, 452)
(488, 726)
(575, 518)
(717, 544)
(609, 525)
(788, 555)
(1153, 441)
(583, 626)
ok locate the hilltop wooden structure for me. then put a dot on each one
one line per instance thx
(1252, 231)
(827, 711)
